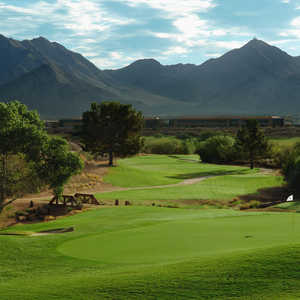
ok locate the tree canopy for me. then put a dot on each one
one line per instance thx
(112, 128)
(251, 141)
(217, 149)
(29, 158)
(57, 164)
(290, 167)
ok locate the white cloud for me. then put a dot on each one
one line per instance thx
(185, 18)
(175, 50)
(229, 45)
(280, 42)
(90, 55)
(116, 55)
(296, 22)
(115, 59)
(80, 16)
(81, 25)
(213, 55)
(293, 31)
(175, 7)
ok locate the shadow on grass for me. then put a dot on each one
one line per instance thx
(209, 173)
(185, 159)
(265, 195)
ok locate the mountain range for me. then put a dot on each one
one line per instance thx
(254, 79)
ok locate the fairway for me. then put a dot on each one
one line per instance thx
(216, 188)
(150, 170)
(155, 253)
(187, 238)
(221, 182)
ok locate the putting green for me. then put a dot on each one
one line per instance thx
(185, 239)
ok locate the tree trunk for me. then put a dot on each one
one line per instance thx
(251, 162)
(111, 159)
(6, 204)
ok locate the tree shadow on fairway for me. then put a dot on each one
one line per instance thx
(209, 173)
(185, 159)
(266, 195)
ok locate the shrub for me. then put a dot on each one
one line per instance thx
(208, 134)
(168, 145)
(217, 149)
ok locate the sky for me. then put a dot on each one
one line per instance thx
(115, 33)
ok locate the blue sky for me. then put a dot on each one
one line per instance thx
(114, 33)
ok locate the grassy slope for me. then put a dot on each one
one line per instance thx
(162, 169)
(217, 188)
(260, 266)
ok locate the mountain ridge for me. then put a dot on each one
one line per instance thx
(254, 79)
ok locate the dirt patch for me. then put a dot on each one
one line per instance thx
(54, 231)
(45, 232)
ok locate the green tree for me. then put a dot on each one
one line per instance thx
(290, 166)
(112, 128)
(29, 158)
(21, 137)
(57, 164)
(251, 142)
(217, 149)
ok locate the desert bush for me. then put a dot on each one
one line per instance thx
(217, 149)
(251, 204)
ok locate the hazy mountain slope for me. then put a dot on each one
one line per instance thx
(253, 65)
(257, 78)
(16, 60)
(53, 92)
(61, 83)
(150, 75)
(57, 94)
(72, 62)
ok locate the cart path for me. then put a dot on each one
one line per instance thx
(184, 182)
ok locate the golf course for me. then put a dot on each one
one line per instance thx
(154, 249)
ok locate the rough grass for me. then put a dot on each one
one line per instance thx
(155, 253)
(285, 142)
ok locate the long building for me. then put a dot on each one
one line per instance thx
(213, 121)
(71, 125)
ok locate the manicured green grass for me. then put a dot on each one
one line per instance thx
(187, 237)
(142, 252)
(153, 170)
(216, 188)
(155, 253)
